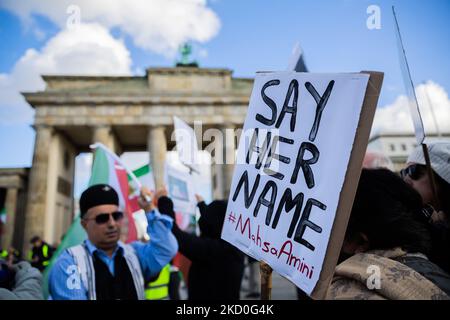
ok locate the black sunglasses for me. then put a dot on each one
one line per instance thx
(414, 171)
(104, 217)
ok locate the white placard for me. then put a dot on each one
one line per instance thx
(298, 155)
(180, 189)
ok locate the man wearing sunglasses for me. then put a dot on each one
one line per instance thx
(104, 268)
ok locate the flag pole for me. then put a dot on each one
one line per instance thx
(415, 111)
(266, 281)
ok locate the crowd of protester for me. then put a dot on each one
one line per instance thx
(399, 223)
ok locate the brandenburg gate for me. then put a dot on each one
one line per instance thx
(131, 113)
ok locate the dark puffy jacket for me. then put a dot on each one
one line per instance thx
(217, 266)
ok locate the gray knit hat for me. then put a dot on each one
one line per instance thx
(439, 158)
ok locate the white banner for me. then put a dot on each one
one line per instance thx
(186, 144)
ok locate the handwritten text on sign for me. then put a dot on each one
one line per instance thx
(291, 163)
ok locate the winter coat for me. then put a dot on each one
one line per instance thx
(379, 275)
(27, 284)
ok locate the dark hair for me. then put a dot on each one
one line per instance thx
(387, 211)
(211, 221)
(34, 239)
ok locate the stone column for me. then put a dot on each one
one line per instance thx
(60, 188)
(10, 206)
(229, 156)
(103, 134)
(37, 191)
(157, 146)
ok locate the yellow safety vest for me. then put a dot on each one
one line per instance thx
(44, 253)
(159, 289)
(45, 250)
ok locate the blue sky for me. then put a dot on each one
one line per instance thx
(257, 35)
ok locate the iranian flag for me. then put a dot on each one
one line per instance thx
(145, 176)
(107, 168)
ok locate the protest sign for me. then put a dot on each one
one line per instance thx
(298, 164)
(180, 189)
(186, 144)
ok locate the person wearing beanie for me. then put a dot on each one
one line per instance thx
(104, 268)
(436, 212)
(416, 176)
(217, 267)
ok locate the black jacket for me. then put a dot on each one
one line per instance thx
(440, 253)
(217, 266)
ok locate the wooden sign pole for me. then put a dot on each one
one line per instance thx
(266, 281)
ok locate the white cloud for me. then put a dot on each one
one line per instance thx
(396, 117)
(88, 49)
(203, 53)
(157, 25)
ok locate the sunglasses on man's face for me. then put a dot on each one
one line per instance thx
(414, 171)
(103, 218)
